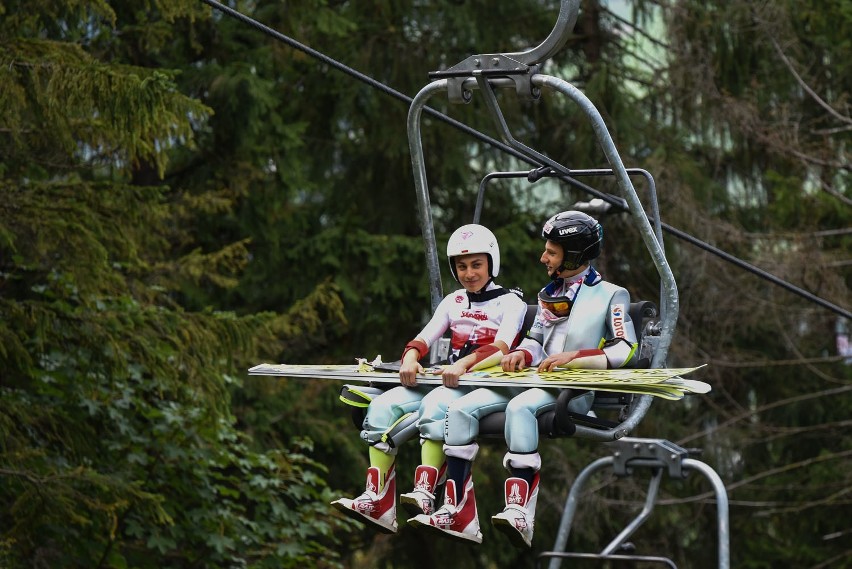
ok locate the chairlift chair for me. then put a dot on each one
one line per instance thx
(519, 71)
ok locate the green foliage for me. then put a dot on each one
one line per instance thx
(146, 475)
(120, 448)
(183, 197)
(104, 113)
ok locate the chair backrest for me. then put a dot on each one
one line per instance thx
(528, 320)
(642, 314)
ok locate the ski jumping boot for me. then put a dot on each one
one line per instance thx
(377, 508)
(421, 500)
(517, 520)
(456, 519)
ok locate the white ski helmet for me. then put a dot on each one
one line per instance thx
(470, 239)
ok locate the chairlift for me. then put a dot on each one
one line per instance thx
(519, 71)
(655, 328)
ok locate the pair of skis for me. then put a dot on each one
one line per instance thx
(665, 383)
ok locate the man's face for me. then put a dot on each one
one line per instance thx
(551, 257)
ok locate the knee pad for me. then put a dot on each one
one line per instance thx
(461, 427)
(581, 402)
(432, 423)
(522, 460)
(431, 430)
(358, 398)
(400, 431)
(404, 429)
(467, 452)
(359, 395)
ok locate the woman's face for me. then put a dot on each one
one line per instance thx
(472, 271)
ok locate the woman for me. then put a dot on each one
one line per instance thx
(485, 320)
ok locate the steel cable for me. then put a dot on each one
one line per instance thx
(614, 201)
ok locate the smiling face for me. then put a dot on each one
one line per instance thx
(552, 258)
(472, 271)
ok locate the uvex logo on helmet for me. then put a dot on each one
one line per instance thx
(580, 236)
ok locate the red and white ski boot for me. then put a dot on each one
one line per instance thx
(373, 507)
(456, 519)
(517, 520)
(421, 500)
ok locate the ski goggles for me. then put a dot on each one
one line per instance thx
(559, 306)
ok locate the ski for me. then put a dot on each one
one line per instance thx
(665, 383)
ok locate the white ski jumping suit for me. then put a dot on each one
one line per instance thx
(473, 324)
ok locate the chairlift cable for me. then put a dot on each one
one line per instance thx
(364, 78)
(619, 204)
(757, 271)
(613, 200)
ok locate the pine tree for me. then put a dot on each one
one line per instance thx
(119, 445)
(184, 197)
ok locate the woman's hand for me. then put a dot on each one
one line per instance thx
(451, 374)
(408, 373)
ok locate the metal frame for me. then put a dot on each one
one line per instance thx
(518, 67)
(660, 456)
(468, 76)
(546, 172)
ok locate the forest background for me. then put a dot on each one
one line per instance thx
(182, 197)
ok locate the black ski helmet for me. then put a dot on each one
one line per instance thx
(579, 235)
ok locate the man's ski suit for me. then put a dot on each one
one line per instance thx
(599, 316)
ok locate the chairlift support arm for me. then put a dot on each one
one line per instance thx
(518, 67)
(660, 456)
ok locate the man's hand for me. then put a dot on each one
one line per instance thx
(408, 373)
(513, 361)
(559, 359)
(577, 359)
(451, 374)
